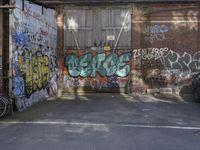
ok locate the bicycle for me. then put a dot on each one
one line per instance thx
(3, 106)
(6, 105)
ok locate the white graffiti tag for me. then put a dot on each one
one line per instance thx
(178, 65)
(156, 32)
(150, 53)
(181, 65)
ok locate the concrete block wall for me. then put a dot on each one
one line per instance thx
(34, 65)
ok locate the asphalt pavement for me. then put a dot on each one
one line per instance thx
(104, 121)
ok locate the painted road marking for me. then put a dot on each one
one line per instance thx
(101, 125)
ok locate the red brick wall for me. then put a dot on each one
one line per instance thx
(165, 40)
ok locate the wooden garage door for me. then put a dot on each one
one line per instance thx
(97, 48)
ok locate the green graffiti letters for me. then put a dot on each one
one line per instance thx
(85, 68)
(122, 68)
(88, 65)
(110, 64)
(97, 65)
(73, 65)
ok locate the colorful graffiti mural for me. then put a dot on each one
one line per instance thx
(110, 70)
(34, 69)
(34, 59)
(88, 65)
(97, 69)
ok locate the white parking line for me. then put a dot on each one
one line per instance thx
(100, 125)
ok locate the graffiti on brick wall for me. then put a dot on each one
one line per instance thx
(99, 70)
(162, 66)
(155, 32)
(87, 65)
(184, 65)
(150, 53)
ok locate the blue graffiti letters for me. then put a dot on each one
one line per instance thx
(97, 65)
(86, 69)
(122, 68)
(18, 88)
(73, 65)
(110, 64)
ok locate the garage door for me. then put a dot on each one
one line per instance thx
(97, 49)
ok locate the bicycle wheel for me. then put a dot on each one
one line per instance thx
(3, 105)
(8, 104)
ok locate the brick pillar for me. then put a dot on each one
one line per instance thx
(136, 43)
(137, 18)
(60, 47)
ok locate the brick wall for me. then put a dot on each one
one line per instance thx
(166, 44)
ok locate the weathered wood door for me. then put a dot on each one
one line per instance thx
(97, 48)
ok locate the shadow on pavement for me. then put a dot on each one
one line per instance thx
(110, 108)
